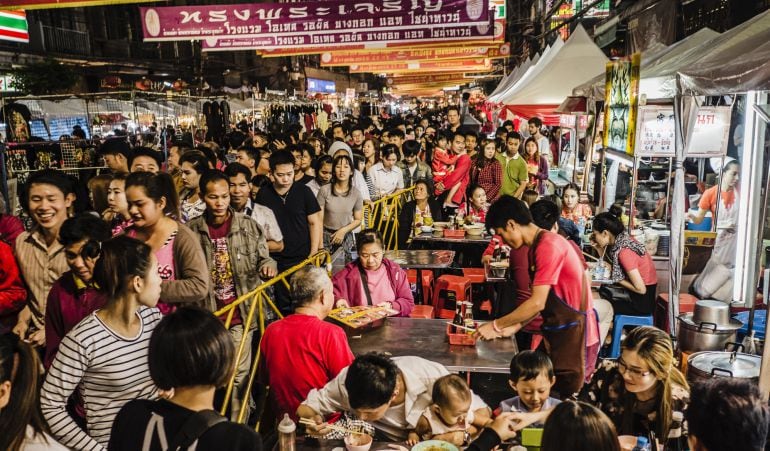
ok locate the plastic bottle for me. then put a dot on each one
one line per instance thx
(287, 434)
(642, 444)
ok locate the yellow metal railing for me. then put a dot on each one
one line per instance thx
(382, 215)
(260, 297)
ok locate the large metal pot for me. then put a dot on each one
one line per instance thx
(705, 336)
(702, 366)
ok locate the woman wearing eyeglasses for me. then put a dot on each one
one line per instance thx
(641, 392)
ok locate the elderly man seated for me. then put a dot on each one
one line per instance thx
(303, 352)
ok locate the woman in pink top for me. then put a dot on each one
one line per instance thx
(632, 266)
(154, 208)
(372, 279)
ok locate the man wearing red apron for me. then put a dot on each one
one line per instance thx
(560, 294)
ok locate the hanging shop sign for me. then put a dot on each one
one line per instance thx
(503, 51)
(483, 34)
(52, 4)
(13, 26)
(710, 134)
(429, 66)
(655, 132)
(7, 83)
(257, 20)
(317, 85)
(621, 102)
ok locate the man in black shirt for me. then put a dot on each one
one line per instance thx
(298, 216)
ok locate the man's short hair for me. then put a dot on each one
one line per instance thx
(251, 151)
(115, 146)
(513, 135)
(411, 148)
(211, 176)
(545, 213)
(190, 347)
(728, 414)
(536, 121)
(507, 208)
(307, 283)
(233, 169)
(84, 226)
(281, 157)
(146, 152)
(397, 132)
(453, 107)
(371, 381)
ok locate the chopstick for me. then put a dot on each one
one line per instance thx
(461, 327)
(592, 257)
(309, 422)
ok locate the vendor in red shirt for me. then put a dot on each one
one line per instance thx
(560, 294)
(372, 279)
(302, 351)
(632, 266)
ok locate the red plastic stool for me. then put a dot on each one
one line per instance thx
(427, 284)
(448, 286)
(479, 276)
(660, 314)
(422, 311)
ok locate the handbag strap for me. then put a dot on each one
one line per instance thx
(365, 282)
(195, 426)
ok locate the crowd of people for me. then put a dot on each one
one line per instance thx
(109, 338)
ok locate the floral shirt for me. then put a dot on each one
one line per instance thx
(607, 392)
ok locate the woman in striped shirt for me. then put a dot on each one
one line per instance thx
(105, 355)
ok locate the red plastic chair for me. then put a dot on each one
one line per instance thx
(478, 276)
(427, 284)
(460, 285)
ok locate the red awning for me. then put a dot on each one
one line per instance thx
(547, 113)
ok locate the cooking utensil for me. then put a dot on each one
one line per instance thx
(709, 364)
(711, 311)
(695, 336)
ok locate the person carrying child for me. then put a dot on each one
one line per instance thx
(449, 417)
(531, 378)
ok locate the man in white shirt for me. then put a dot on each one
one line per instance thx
(390, 393)
(543, 145)
(387, 178)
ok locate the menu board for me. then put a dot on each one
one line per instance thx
(655, 133)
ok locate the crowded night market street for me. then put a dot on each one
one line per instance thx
(402, 225)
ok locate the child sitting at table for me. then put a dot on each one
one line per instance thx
(531, 378)
(450, 417)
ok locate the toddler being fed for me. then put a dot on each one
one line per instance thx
(531, 378)
(450, 417)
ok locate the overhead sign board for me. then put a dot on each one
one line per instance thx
(51, 4)
(318, 85)
(264, 20)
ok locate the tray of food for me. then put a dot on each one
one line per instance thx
(360, 317)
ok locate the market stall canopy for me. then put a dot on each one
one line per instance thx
(525, 71)
(515, 75)
(737, 61)
(658, 69)
(577, 61)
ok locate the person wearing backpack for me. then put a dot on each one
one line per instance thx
(191, 355)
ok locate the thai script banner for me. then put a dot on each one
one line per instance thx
(51, 4)
(345, 58)
(270, 20)
(311, 50)
(422, 79)
(340, 38)
(429, 66)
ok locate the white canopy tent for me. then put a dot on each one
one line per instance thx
(516, 74)
(551, 80)
(657, 69)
